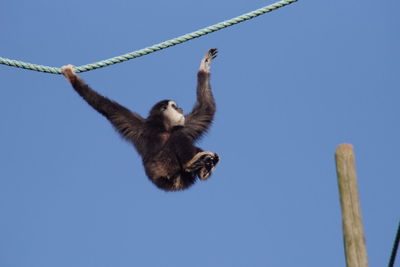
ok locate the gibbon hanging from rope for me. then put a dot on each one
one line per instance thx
(165, 139)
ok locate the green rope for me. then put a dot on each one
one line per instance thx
(154, 48)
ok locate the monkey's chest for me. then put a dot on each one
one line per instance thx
(163, 138)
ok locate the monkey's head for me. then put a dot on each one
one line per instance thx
(168, 113)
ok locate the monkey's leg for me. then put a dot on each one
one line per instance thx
(203, 164)
(165, 172)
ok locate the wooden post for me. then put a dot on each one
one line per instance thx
(395, 248)
(353, 230)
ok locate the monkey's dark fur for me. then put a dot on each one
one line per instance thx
(165, 138)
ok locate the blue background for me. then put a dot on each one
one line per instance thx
(290, 86)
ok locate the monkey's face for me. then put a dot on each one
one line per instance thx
(173, 114)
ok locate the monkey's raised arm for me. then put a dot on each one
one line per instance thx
(127, 123)
(200, 118)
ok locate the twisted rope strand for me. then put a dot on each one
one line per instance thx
(154, 48)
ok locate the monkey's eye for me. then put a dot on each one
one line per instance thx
(174, 106)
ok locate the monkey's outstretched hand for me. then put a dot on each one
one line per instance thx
(69, 73)
(207, 59)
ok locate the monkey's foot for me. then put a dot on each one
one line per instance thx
(207, 59)
(68, 72)
(210, 162)
(197, 161)
(203, 164)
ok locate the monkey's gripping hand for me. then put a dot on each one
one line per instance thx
(207, 59)
(69, 73)
(127, 123)
(202, 164)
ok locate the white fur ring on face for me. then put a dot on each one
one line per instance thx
(175, 117)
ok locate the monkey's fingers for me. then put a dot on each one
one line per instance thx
(208, 57)
(68, 72)
(213, 52)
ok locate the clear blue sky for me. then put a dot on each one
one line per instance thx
(290, 86)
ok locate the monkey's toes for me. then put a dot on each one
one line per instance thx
(211, 161)
(215, 159)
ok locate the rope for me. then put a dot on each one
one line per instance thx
(395, 248)
(154, 48)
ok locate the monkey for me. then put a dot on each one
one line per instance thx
(165, 139)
